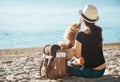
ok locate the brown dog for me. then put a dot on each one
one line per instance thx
(70, 35)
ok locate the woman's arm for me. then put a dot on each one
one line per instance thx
(78, 49)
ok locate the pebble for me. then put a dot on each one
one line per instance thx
(10, 77)
(7, 61)
(2, 70)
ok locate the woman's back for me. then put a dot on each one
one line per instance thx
(92, 47)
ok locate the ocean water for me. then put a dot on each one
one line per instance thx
(32, 23)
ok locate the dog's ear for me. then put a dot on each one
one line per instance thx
(72, 35)
(75, 24)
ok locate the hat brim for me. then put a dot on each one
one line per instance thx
(80, 13)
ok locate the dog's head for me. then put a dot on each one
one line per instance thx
(75, 26)
(72, 31)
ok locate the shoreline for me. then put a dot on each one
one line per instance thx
(109, 43)
(37, 51)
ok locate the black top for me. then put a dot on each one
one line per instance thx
(92, 55)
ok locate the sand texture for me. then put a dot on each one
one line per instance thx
(22, 65)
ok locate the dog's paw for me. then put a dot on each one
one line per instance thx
(62, 44)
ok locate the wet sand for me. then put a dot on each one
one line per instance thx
(22, 65)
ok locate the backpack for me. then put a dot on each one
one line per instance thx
(54, 62)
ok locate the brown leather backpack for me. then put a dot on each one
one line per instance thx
(54, 62)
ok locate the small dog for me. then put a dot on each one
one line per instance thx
(70, 35)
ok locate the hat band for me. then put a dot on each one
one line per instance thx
(88, 18)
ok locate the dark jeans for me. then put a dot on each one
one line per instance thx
(83, 72)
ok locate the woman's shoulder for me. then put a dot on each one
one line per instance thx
(98, 28)
(81, 33)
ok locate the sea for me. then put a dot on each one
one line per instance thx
(34, 23)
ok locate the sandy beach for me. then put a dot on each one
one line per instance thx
(22, 65)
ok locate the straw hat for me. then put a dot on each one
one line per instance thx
(89, 13)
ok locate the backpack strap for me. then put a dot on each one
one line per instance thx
(44, 49)
(51, 49)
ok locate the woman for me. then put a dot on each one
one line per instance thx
(88, 44)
